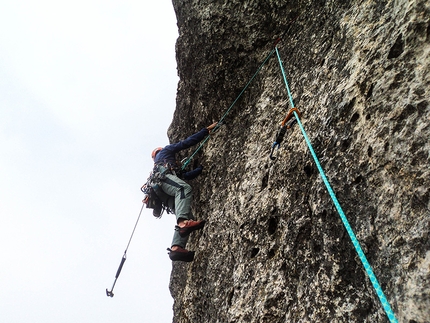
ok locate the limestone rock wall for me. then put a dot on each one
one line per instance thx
(274, 248)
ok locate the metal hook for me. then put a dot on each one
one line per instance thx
(109, 293)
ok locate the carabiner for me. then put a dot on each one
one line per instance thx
(289, 116)
(287, 123)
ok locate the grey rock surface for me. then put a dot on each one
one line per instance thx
(274, 248)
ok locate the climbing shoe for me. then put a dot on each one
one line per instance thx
(181, 254)
(190, 226)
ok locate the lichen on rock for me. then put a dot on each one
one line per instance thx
(274, 248)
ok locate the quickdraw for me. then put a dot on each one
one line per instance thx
(287, 123)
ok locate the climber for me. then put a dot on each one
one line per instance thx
(178, 194)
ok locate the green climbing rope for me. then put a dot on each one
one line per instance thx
(185, 164)
(367, 267)
(287, 28)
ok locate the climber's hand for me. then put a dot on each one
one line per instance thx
(213, 125)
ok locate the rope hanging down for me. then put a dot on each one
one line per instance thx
(185, 164)
(109, 293)
(367, 267)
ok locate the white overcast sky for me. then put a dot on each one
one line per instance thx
(87, 90)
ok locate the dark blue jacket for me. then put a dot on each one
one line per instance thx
(167, 155)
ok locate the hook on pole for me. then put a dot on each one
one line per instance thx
(109, 293)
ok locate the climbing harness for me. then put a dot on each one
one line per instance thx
(390, 314)
(288, 122)
(154, 195)
(109, 293)
(220, 122)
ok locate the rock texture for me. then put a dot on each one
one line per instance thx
(274, 248)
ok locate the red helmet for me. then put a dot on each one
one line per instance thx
(155, 152)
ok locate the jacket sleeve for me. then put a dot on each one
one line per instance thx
(189, 142)
(192, 173)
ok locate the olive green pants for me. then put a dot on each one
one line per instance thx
(179, 195)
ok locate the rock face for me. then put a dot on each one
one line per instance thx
(274, 248)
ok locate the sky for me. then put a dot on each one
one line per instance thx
(87, 90)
